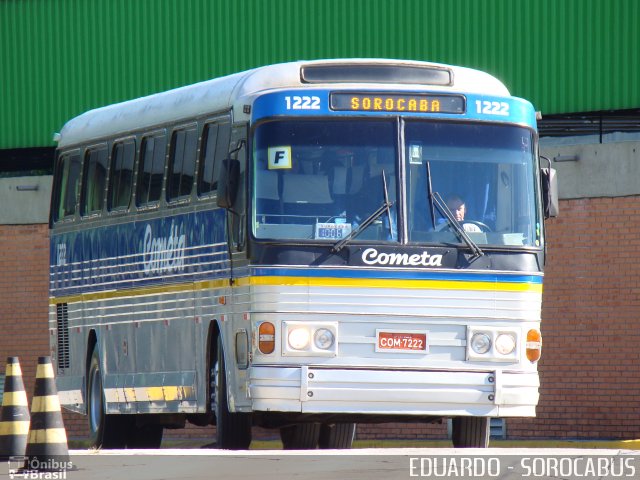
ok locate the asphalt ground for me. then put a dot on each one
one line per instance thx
(356, 464)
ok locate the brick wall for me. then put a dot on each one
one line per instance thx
(24, 259)
(590, 368)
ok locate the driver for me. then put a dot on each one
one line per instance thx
(459, 209)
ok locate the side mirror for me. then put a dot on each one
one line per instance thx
(228, 182)
(549, 192)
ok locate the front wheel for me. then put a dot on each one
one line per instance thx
(105, 431)
(470, 432)
(233, 430)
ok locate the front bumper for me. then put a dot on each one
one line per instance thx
(312, 390)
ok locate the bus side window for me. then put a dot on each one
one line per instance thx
(94, 180)
(121, 174)
(67, 186)
(151, 171)
(182, 162)
(215, 147)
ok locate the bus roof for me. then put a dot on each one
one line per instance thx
(222, 94)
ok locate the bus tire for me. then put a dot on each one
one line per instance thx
(233, 430)
(470, 432)
(337, 435)
(105, 431)
(300, 436)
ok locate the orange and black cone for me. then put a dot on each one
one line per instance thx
(47, 441)
(14, 418)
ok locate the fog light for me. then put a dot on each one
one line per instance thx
(505, 344)
(299, 338)
(323, 339)
(481, 343)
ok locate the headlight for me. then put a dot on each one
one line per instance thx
(323, 339)
(493, 344)
(299, 338)
(481, 343)
(505, 343)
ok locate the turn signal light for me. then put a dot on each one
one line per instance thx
(266, 337)
(534, 345)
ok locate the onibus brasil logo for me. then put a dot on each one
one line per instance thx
(33, 468)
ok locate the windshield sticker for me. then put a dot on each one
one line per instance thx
(279, 157)
(332, 231)
(415, 154)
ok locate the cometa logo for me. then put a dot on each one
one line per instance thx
(371, 256)
(163, 254)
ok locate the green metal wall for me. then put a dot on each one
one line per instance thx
(61, 57)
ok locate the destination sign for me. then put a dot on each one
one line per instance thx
(396, 102)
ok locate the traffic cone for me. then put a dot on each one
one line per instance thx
(47, 448)
(14, 418)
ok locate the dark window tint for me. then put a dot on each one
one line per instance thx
(94, 180)
(215, 146)
(152, 153)
(182, 162)
(121, 174)
(68, 179)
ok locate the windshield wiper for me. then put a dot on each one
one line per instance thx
(385, 207)
(446, 211)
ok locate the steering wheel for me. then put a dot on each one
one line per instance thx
(482, 226)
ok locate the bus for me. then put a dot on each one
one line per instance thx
(284, 248)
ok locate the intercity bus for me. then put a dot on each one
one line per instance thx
(283, 248)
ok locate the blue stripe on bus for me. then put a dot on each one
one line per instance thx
(478, 107)
(180, 248)
(366, 273)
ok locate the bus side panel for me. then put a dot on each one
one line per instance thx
(136, 284)
(66, 318)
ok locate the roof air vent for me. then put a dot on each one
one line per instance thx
(376, 73)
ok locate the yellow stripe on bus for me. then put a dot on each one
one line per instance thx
(167, 393)
(392, 283)
(307, 282)
(138, 292)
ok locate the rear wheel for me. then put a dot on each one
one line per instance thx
(105, 431)
(470, 432)
(337, 435)
(300, 436)
(233, 430)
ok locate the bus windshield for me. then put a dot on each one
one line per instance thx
(320, 179)
(483, 173)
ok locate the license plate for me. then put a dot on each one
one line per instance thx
(401, 341)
